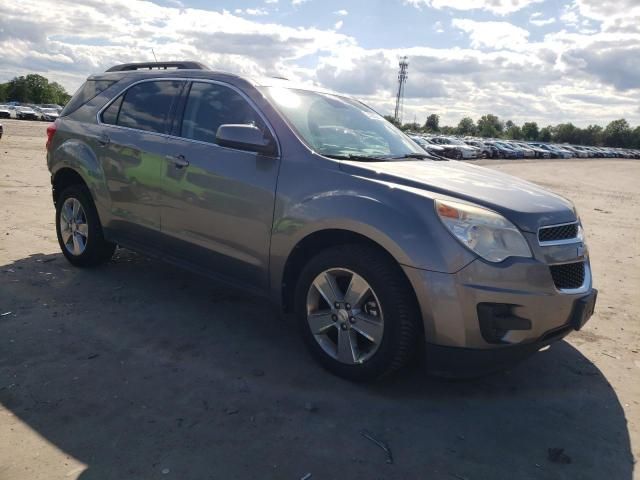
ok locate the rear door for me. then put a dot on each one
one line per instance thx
(218, 202)
(132, 150)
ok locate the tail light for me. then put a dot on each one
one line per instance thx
(51, 131)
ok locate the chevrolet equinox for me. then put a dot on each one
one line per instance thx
(379, 250)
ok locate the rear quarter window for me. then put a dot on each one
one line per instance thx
(86, 92)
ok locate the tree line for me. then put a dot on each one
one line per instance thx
(33, 88)
(617, 133)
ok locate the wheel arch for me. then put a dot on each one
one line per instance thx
(319, 240)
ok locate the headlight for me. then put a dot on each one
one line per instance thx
(483, 231)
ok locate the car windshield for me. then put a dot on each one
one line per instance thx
(340, 127)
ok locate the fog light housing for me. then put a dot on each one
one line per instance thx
(498, 319)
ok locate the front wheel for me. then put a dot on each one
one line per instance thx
(356, 312)
(78, 229)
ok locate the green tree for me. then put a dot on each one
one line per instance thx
(447, 130)
(466, 126)
(617, 134)
(545, 134)
(635, 137)
(530, 131)
(391, 119)
(592, 135)
(514, 132)
(433, 123)
(411, 127)
(490, 126)
(33, 88)
(566, 133)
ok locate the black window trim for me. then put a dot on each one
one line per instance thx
(178, 107)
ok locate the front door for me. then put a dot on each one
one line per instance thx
(218, 202)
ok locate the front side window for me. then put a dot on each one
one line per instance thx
(338, 126)
(210, 105)
(145, 106)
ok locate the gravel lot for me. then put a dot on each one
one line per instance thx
(139, 370)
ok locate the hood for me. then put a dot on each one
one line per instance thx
(526, 205)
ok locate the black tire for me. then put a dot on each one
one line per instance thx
(458, 155)
(401, 330)
(97, 250)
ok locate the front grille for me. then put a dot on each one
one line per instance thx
(568, 275)
(560, 232)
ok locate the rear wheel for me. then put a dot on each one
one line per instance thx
(78, 228)
(356, 312)
(458, 155)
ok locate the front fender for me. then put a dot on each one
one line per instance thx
(399, 220)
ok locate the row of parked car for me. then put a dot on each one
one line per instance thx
(470, 148)
(47, 113)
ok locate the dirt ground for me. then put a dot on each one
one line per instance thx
(139, 370)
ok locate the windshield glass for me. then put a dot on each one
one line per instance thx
(337, 126)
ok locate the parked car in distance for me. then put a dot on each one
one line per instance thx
(312, 199)
(5, 111)
(429, 147)
(26, 113)
(486, 151)
(48, 114)
(456, 149)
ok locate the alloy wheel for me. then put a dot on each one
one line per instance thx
(344, 316)
(73, 226)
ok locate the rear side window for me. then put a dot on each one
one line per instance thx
(86, 92)
(145, 106)
(209, 106)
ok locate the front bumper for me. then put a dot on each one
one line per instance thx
(521, 290)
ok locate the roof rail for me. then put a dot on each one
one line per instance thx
(187, 65)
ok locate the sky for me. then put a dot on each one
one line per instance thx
(549, 61)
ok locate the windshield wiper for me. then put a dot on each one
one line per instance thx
(360, 158)
(413, 155)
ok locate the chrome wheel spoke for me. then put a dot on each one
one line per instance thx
(66, 213)
(326, 285)
(369, 327)
(356, 291)
(66, 235)
(83, 229)
(347, 346)
(320, 322)
(75, 210)
(77, 249)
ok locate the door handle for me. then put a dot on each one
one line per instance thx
(179, 161)
(104, 140)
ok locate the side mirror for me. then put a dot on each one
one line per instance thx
(245, 137)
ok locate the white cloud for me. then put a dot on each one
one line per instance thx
(341, 13)
(499, 7)
(438, 27)
(537, 20)
(338, 25)
(563, 76)
(270, 2)
(251, 11)
(495, 35)
(298, 2)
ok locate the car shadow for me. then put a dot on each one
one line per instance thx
(140, 370)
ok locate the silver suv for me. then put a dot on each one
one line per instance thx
(312, 199)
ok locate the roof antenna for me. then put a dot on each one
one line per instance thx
(154, 55)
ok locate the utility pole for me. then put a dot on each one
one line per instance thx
(402, 79)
